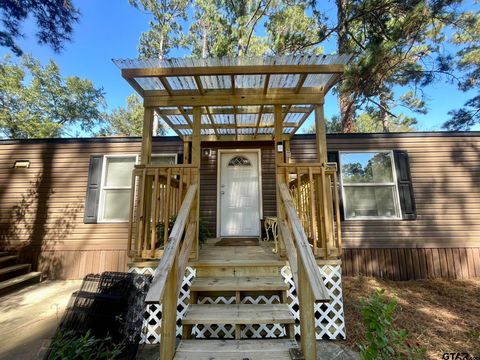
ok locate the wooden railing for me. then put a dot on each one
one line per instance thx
(169, 274)
(314, 191)
(158, 192)
(305, 272)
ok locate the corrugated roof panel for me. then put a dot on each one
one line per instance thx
(249, 81)
(232, 61)
(205, 119)
(283, 81)
(216, 82)
(149, 83)
(293, 117)
(267, 119)
(182, 82)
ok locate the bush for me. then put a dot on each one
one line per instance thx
(68, 346)
(383, 340)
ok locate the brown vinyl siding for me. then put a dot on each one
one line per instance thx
(444, 240)
(42, 207)
(446, 183)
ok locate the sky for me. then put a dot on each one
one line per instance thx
(112, 28)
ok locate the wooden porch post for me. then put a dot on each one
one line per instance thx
(326, 203)
(280, 177)
(146, 152)
(144, 205)
(196, 133)
(321, 134)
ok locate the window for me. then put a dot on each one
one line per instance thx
(369, 185)
(239, 161)
(116, 184)
(116, 187)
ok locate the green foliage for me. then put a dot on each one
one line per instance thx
(293, 31)
(67, 346)
(36, 101)
(54, 20)
(127, 121)
(467, 37)
(165, 31)
(383, 340)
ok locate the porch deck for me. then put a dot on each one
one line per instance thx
(212, 255)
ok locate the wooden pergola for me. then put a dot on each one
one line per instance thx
(236, 96)
(228, 99)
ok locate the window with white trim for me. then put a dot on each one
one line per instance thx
(369, 185)
(116, 187)
(116, 184)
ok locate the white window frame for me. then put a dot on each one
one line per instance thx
(394, 184)
(101, 204)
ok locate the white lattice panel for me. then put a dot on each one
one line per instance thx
(153, 313)
(329, 318)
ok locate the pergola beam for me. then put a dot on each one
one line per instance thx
(230, 126)
(234, 70)
(240, 137)
(240, 110)
(233, 100)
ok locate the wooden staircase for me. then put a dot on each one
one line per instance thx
(231, 273)
(239, 314)
(13, 275)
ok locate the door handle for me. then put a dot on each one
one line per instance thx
(222, 192)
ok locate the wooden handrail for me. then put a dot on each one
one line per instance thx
(157, 288)
(305, 254)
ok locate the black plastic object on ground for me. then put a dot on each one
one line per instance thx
(109, 305)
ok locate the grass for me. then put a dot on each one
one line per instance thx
(442, 316)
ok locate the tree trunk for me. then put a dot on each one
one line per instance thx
(384, 115)
(205, 43)
(346, 100)
(161, 47)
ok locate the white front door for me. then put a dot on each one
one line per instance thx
(239, 192)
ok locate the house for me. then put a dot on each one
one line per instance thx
(443, 239)
(399, 206)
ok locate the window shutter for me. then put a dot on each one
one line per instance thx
(405, 188)
(333, 156)
(93, 189)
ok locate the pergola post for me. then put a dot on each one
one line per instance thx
(326, 209)
(146, 152)
(144, 205)
(279, 159)
(195, 158)
(321, 136)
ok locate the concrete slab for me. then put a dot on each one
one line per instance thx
(30, 316)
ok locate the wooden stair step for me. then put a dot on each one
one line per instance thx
(238, 314)
(235, 349)
(13, 268)
(31, 276)
(4, 253)
(247, 283)
(6, 258)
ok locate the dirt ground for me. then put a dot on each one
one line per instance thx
(440, 315)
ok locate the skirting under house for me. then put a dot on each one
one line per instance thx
(329, 317)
